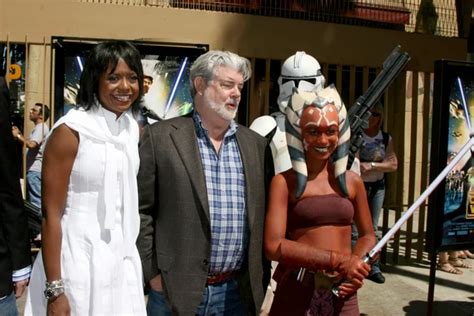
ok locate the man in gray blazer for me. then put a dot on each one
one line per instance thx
(202, 194)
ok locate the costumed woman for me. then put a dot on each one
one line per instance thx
(89, 263)
(311, 208)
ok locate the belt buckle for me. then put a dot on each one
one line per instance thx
(323, 280)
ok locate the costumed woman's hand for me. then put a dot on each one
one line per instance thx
(349, 287)
(59, 306)
(354, 269)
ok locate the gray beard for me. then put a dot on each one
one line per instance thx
(222, 111)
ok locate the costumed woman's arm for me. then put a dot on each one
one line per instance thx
(363, 221)
(362, 217)
(295, 254)
(59, 155)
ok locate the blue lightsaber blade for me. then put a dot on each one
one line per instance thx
(464, 104)
(175, 85)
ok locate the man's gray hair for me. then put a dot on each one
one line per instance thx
(205, 65)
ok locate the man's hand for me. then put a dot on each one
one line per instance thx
(155, 283)
(20, 287)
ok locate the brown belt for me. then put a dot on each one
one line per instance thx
(220, 277)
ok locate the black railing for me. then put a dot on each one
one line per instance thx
(437, 17)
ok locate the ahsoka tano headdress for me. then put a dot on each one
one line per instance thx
(298, 102)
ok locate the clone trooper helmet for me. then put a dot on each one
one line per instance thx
(300, 71)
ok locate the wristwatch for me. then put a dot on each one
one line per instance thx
(372, 165)
(53, 289)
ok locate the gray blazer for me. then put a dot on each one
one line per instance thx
(175, 231)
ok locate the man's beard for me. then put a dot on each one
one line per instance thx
(221, 109)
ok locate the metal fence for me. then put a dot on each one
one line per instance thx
(437, 17)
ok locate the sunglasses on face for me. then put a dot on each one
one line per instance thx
(376, 114)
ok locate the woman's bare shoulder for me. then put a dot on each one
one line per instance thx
(354, 182)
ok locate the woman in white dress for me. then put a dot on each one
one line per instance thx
(89, 263)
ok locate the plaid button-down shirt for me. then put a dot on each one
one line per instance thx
(225, 184)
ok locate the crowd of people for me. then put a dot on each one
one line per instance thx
(191, 211)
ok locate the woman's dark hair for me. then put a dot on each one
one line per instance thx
(102, 56)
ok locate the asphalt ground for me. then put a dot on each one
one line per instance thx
(405, 292)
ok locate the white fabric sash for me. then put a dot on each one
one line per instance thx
(93, 125)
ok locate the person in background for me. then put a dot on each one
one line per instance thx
(452, 261)
(15, 256)
(34, 187)
(465, 254)
(310, 211)
(202, 200)
(39, 114)
(89, 264)
(147, 82)
(146, 116)
(377, 157)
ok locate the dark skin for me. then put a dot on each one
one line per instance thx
(320, 142)
(59, 156)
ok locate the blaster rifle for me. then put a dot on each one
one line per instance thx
(359, 112)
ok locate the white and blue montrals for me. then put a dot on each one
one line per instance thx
(298, 102)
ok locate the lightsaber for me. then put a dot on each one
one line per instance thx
(464, 105)
(368, 257)
(175, 86)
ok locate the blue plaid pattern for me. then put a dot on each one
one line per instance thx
(225, 184)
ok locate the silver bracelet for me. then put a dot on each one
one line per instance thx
(53, 289)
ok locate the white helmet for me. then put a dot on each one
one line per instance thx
(300, 71)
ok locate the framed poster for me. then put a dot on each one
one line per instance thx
(451, 206)
(166, 66)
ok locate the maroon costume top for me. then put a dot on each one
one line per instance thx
(318, 210)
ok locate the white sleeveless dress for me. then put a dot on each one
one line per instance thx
(100, 264)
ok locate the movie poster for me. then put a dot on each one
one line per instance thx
(451, 206)
(458, 222)
(169, 94)
(166, 68)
